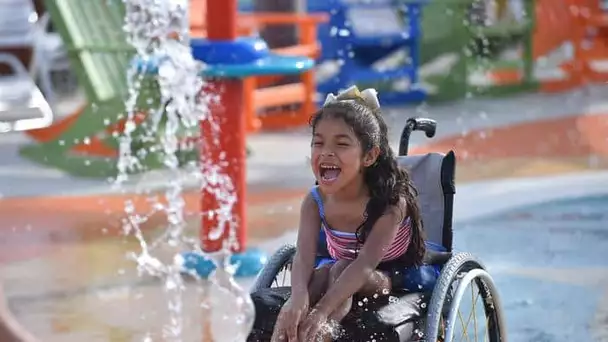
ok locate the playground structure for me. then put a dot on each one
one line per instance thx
(230, 61)
(263, 92)
(479, 44)
(591, 35)
(360, 34)
(85, 143)
(502, 49)
(561, 44)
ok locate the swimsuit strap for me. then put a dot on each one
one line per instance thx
(317, 197)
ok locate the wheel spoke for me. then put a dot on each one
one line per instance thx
(471, 315)
(464, 328)
(474, 300)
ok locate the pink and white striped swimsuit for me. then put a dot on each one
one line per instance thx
(345, 246)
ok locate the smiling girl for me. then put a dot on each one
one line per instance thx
(367, 207)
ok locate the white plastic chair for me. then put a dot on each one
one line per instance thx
(17, 23)
(22, 105)
(49, 55)
(20, 26)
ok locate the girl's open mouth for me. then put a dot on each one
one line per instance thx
(329, 173)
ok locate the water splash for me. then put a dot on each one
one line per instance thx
(158, 30)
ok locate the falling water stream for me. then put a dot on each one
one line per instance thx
(158, 30)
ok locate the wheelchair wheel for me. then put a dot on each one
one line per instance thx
(451, 317)
(277, 270)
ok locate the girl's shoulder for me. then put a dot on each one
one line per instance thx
(310, 202)
(398, 209)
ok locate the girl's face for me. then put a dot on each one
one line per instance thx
(337, 158)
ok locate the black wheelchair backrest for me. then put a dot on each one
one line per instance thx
(433, 177)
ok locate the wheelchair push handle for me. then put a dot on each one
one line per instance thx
(428, 126)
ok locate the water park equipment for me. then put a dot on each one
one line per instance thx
(101, 57)
(555, 63)
(277, 36)
(562, 42)
(292, 102)
(457, 60)
(569, 44)
(477, 57)
(274, 104)
(84, 143)
(229, 60)
(591, 36)
(361, 36)
(452, 62)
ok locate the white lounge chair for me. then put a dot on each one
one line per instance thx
(22, 105)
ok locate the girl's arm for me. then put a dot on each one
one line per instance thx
(356, 274)
(308, 236)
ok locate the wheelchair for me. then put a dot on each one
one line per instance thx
(427, 313)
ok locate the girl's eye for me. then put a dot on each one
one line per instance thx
(317, 143)
(343, 144)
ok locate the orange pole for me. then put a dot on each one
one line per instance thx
(221, 16)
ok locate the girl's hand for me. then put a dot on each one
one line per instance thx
(310, 328)
(292, 313)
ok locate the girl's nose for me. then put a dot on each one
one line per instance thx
(327, 153)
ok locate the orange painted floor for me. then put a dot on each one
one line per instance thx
(551, 146)
(63, 258)
(32, 226)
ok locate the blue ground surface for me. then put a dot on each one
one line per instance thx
(556, 238)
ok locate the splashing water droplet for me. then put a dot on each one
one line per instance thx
(158, 30)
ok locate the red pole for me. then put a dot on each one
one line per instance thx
(221, 19)
(221, 16)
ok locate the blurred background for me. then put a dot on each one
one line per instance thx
(517, 87)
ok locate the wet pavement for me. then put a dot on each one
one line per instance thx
(549, 262)
(531, 190)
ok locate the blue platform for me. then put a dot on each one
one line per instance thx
(241, 58)
(247, 264)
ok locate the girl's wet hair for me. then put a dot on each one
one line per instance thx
(387, 182)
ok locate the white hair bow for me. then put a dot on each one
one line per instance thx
(369, 96)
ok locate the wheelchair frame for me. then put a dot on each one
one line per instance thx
(458, 271)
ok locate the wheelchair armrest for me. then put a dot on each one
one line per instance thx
(432, 257)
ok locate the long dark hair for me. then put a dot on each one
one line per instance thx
(386, 181)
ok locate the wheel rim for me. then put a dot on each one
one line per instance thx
(472, 316)
(283, 277)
